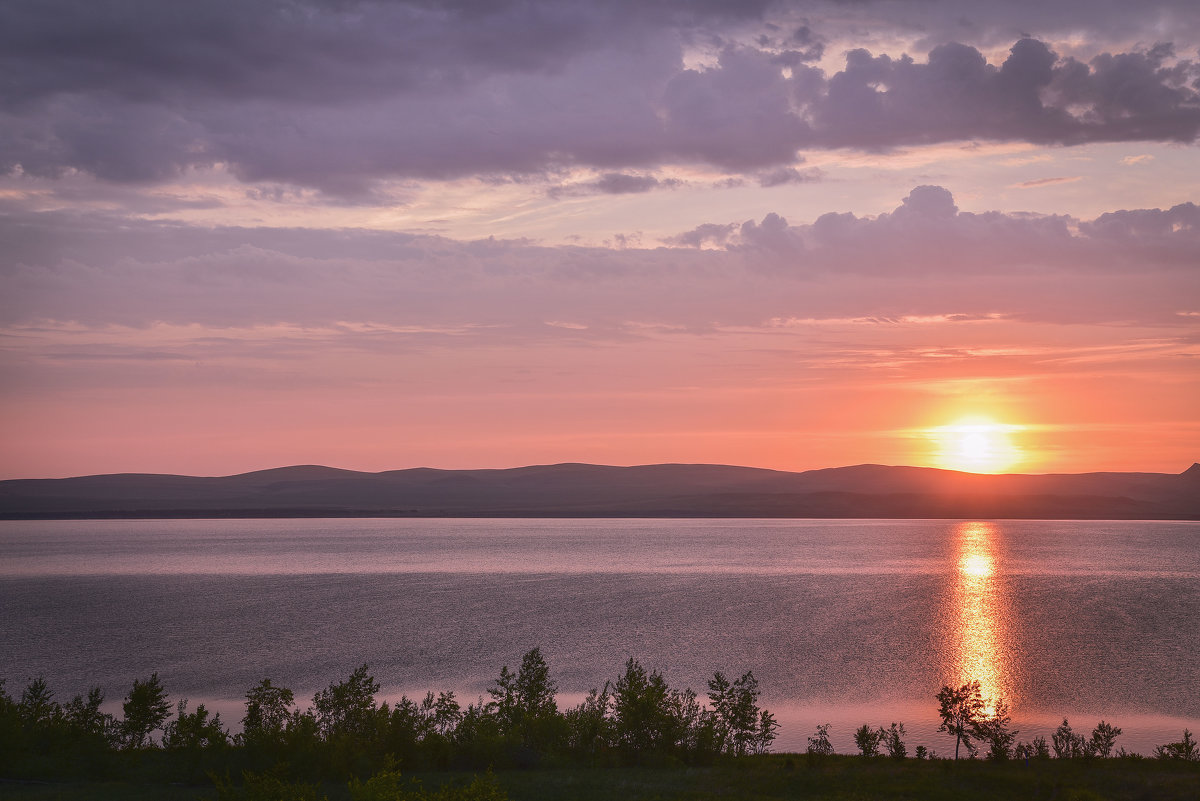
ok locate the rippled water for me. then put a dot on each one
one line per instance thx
(847, 622)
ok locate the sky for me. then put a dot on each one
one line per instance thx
(241, 234)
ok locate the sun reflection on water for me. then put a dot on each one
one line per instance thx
(981, 653)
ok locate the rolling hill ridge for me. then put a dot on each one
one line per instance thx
(585, 490)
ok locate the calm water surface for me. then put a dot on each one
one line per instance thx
(847, 622)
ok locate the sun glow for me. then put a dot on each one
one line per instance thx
(977, 445)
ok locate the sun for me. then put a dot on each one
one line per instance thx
(977, 445)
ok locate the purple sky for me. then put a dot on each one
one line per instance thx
(238, 234)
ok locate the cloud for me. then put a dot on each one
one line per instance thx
(925, 258)
(1047, 182)
(613, 183)
(338, 95)
(789, 175)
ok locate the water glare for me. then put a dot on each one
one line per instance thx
(982, 652)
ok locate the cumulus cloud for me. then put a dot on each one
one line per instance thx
(338, 95)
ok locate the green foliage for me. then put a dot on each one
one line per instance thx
(84, 716)
(1068, 744)
(648, 717)
(996, 730)
(1037, 749)
(481, 788)
(146, 710)
(268, 712)
(893, 740)
(37, 707)
(867, 740)
(737, 724)
(524, 705)
(1104, 737)
(1185, 749)
(589, 726)
(389, 785)
(819, 745)
(347, 708)
(194, 730)
(961, 710)
(266, 787)
(386, 785)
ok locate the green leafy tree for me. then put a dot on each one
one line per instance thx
(84, 716)
(268, 711)
(524, 702)
(961, 710)
(867, 739)
(1185, 749)
(768, 727)
(146, 710)
(1104, 738)
(642, 711)
(893, 740)
(820, 744)
(996, 730)
(347, 709)
(37, 708)
(736, 713)
(1068, 744)
(194, 730)
(1037, 749)
(589, 725)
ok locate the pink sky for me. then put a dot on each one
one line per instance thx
(791, 235)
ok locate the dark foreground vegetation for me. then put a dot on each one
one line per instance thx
(636, 737)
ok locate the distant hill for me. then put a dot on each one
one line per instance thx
(585, 490)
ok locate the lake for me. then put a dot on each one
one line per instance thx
(842, 621)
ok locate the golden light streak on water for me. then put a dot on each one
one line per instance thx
(981, 654)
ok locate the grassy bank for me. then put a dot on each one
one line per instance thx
(776, 776)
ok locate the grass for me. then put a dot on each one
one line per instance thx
(777, 776)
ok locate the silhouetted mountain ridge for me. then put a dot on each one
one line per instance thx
(586, 490)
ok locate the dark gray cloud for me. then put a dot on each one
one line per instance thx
(614, 183)
(336, 95)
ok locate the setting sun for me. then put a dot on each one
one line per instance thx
(977, 445)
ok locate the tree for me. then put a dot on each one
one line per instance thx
(589, 727)
(146, 709)
(524, 702)
(1068, 744)
(820, 744)
(648, 716)
(961, 711)
(867, 739)
(1104, 737)
(1185, 749)
(893, 740)
(767, 728)
(1038, 749)
(996, 730)
(735, 711)
(194, 730)
(348, 708)
(37, 707)
(268, 710)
